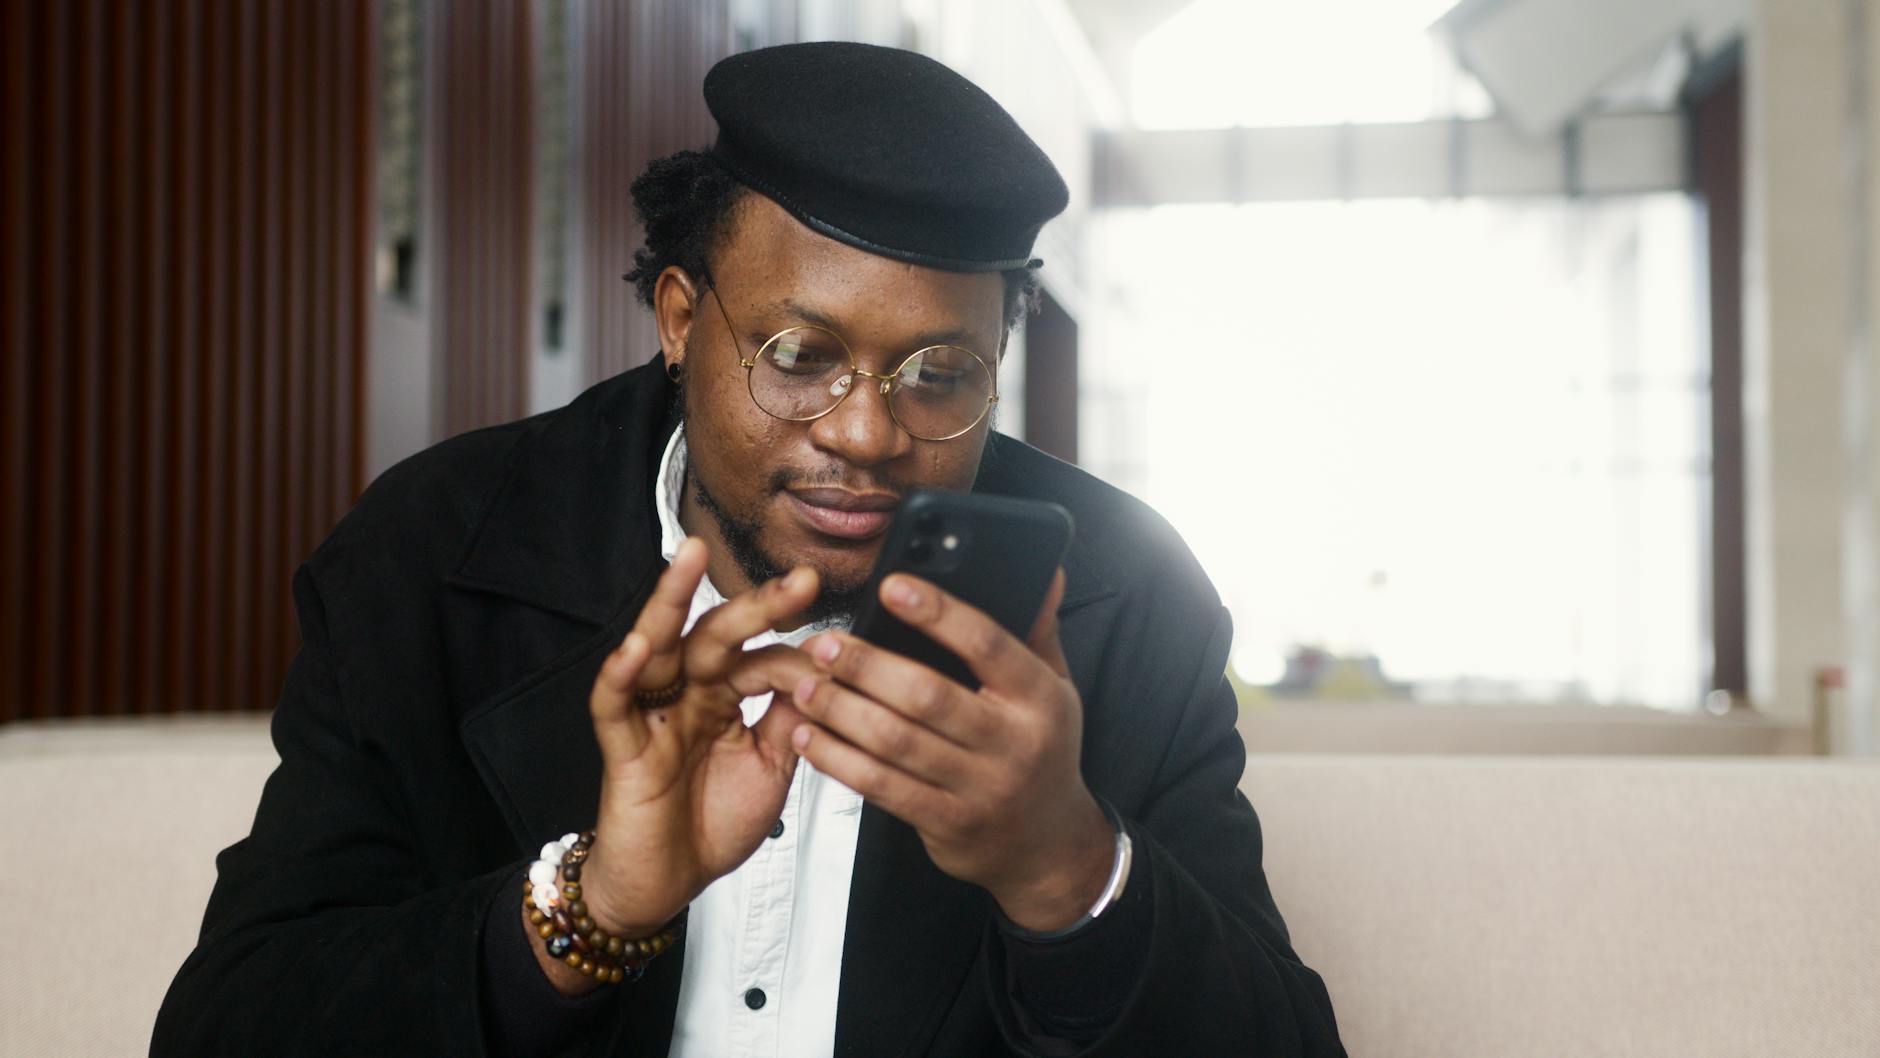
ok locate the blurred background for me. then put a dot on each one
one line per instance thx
(1508, 363)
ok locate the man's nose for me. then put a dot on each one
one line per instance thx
(861, 431)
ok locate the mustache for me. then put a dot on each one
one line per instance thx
(832, 477)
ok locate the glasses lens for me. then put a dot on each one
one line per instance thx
(941, 392)
(801, 373)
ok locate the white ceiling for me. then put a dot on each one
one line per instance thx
(1115, 27)
(1548, 61)
(1544, 61)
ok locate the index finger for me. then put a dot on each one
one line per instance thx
(663, 617)
(716, 642)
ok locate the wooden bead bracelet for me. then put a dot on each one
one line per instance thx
(552, 896)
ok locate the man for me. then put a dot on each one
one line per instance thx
(857, 855)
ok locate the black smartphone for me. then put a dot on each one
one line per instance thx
(994, 553)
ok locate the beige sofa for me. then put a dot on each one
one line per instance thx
(1459, 907)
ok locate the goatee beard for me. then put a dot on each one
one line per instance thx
(835, 603)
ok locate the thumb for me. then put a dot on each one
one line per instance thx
(1044, 640)
(774, 728)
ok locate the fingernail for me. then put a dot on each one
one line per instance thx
(805, 689)
(825, 649)
(800, 737)
(902, 593)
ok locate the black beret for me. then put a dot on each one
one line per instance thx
(886, 150)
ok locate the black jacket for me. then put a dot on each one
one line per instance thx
(433, 732)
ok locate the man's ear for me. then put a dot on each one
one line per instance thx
(675, 308)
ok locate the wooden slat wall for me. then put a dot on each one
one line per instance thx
(486, 158)
(642, 67)
(185, 197)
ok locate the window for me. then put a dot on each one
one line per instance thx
(1221, 63)
(1447, 450)
(1465, 440)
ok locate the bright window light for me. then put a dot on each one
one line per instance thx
(1468, 438)
(1220, 63)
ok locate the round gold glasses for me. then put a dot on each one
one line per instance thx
(804, 372)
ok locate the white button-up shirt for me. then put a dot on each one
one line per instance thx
(763, 944)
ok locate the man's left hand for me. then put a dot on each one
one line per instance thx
(991, 779)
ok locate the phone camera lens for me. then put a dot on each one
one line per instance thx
(920, 549)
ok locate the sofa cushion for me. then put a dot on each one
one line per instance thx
(1471, 907)
(1504, 907)
(110, 836)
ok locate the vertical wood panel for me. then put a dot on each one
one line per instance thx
(297, 280)
(182, 281)
(487, 156)
(643, 65)
(187, 193)
(16, 38)
(186, 246)
(220, 213)
(319, 218)
(146, 674)
(84, 427)
(246, 248)
(124, 370)
(50, 346)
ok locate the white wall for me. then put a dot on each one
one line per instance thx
(1031, 56)
(1809, 401)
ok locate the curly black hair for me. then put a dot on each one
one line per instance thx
(686, 202)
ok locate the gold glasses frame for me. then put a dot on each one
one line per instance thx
(887, 381)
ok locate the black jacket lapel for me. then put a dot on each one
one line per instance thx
(912, 936)
(573, 527)
(534, 746)
(573, 531)
(535, 749)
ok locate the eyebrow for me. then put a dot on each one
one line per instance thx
(790, 307)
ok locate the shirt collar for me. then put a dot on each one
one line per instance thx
(668, 490)
(668, 487)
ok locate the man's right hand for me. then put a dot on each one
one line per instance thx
(688, 792)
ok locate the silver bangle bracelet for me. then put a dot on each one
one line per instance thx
(1112, 889)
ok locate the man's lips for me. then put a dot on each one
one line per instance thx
(844, 514)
